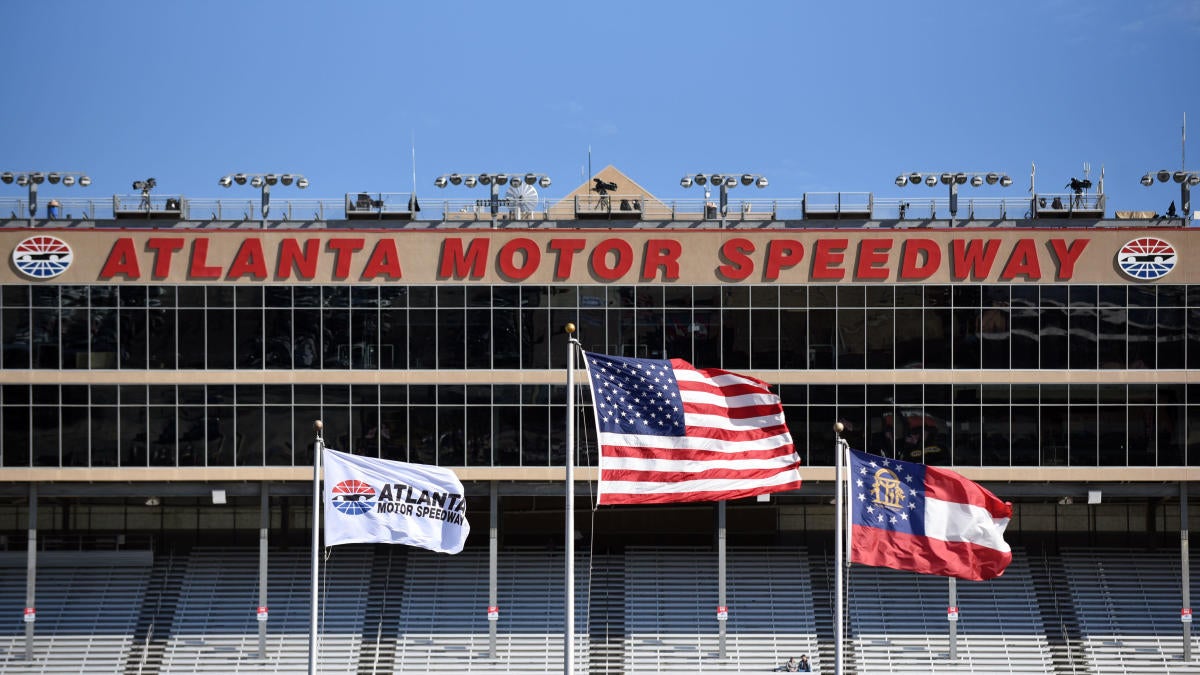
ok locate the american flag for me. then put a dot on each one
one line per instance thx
(670, 432)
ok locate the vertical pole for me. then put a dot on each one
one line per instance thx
(952, 590)
(493, 592)
(721, 575)
(1185, 571)
(569, 507)
(839, 536)
(31, 572)
(318, 447)
(264, 523)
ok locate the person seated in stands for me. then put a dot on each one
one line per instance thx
(789, 667)
(803, 666)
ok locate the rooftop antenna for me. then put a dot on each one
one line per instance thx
(1183, 145)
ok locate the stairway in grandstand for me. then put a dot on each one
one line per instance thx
(606, 615)
(157, 613)
(823, 611)
(671, 605)
(87, 610)
(898, 623)
(215, 628)
(1058, 613)
(1128, 604)
(382, 619)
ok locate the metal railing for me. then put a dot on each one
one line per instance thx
(397, 206)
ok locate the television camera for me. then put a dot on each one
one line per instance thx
(603, 187)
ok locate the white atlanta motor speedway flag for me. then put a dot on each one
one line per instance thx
(380, 501)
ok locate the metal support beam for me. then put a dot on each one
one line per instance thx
(493, 562)
(264, 524)
(1185, 571)
(31, 573)
(952, 615)
(721, 576)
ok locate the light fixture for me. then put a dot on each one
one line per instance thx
(218, 496)
(1065, 501)
(1094, 496)
(263, 181)
(152, 501)
(494, 181)
(724, 182)
(32, 179)
(953, 180)
(1185, 179)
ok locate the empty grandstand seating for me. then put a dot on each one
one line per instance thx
(641, 610)
(87, 607)
(215, 628)
(671, 605)
(1128, 602)
(898, 623)
(444, 626)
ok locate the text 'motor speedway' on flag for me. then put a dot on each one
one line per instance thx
(670, 432)
(925, 519)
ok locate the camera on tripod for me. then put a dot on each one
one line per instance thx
(145, 185)
(602, 186)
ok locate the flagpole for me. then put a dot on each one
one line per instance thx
(318, 447)
(838, 552)
(569, 538)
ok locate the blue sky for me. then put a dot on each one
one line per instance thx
(816, 96)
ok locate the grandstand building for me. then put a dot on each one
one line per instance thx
(163, 364)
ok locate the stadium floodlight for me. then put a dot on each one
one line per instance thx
(953, 179)
(32, 179)
(263, 181)
(723, 182)
(1186, 180)
(494, 181)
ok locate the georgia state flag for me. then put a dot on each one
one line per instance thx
(925, 519)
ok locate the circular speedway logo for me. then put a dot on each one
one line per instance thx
(353, 497)
(42, 257)
(1147, 258)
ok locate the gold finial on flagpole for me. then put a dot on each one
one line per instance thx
(570, 328)
(318, 425)
(838, 428)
